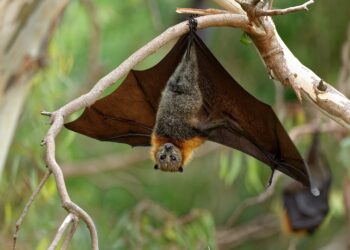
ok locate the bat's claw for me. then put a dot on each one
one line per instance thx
(192, 23)
(269, 182)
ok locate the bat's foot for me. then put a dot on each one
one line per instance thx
(192, 24)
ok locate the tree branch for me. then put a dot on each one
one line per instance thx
(27, 206)
(70, 218)
(70, 234)
(275, 12)
(200, 11)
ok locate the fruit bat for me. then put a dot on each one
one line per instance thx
(184, 100)
(303, 211)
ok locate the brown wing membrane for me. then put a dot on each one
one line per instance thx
(304, 211)
(128, 114)
(251, 126)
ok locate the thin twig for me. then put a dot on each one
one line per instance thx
(65, 224)
(200, 11)
(70, 234)
(27, 206)
(275, 12)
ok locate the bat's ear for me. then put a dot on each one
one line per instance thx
(180, 169)
(156, 166)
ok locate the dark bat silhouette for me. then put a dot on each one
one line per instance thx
(305, 212)
(230, 115)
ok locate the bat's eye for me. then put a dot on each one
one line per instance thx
(173, 158)
(162, 157)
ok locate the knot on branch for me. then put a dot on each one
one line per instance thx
(322, 86)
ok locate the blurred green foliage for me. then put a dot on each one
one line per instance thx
(136, 207)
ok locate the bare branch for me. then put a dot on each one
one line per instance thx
(200, 11)
(27, 206)
(60, 183)
(275, 12)
(65, 224)
(70, 234)
(231, 6)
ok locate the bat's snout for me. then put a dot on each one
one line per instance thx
(168, 146)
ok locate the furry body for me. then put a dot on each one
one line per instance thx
(176, 133)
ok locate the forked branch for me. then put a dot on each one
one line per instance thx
(285, 11)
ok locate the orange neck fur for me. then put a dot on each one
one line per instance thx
(287, 227)
(186, 146)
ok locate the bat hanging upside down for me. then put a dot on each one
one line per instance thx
(184, 100)
(304, 212)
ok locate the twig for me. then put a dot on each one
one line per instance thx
(27, 206)
(231, 6)
(69, 219)
(70, 234)
(275, 12)
(262, 197)
(200, 11)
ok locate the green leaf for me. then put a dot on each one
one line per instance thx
(245, 39)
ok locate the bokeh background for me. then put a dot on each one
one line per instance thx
(133, 206)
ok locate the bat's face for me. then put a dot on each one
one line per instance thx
(168, 158)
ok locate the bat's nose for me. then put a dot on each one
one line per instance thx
(168, 146)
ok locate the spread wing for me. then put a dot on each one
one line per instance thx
(251, 126)
(304, 210)
(128, 114)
